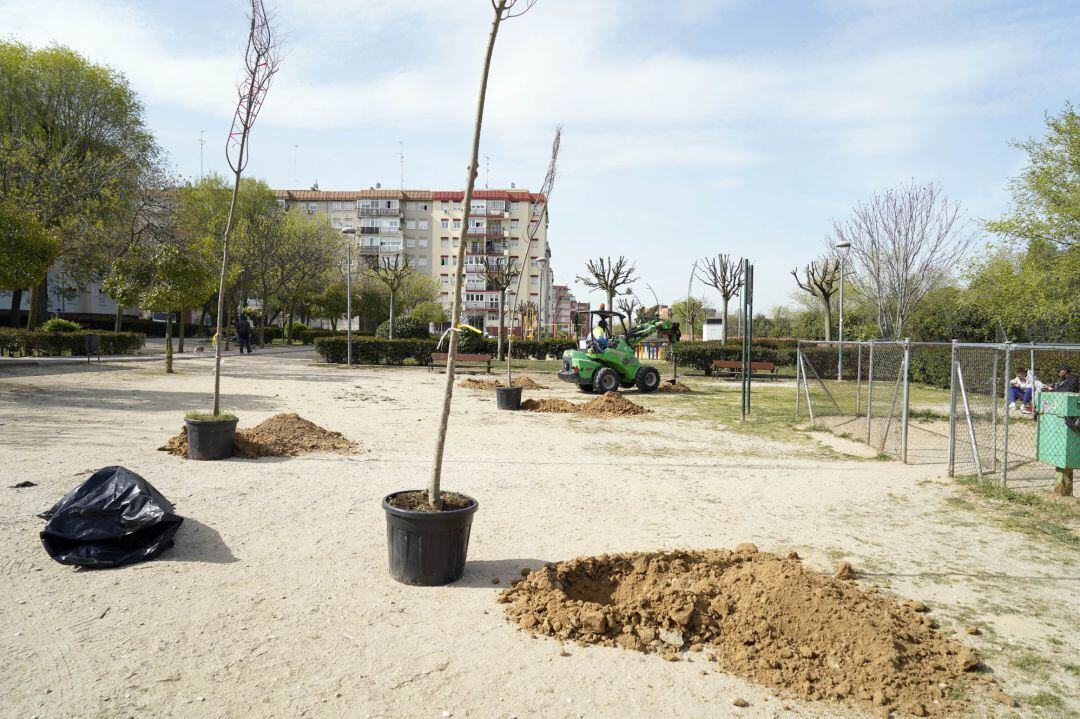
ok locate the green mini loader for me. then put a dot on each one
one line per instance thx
(608, 360)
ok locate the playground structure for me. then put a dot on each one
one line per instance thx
(935, 402)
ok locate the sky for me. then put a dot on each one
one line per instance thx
(690, 127)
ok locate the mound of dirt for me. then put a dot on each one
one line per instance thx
(283, 435)
(489, 384)
(549, 405)
(761, 616)
(611, 404)
(677, 388)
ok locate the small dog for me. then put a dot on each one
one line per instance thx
(200, 351)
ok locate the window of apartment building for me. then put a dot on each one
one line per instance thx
(422, 224)
(444, 243)
(495, 206)
(411, 206)
(445, 206)
(456, 239)
(445, 279)
(311, 208)
(513, 207)
(337, 207)
(336, 224)
(534, 279)
(478, 206)
(457, 206)
(422, 262)
(534, 263)
(392, 224)
(390, 204)
(424, 207)
(513, 245)
(444, 261)
(410, 243)
(422, 243)
(457, 223)
(410, 224)
(282, 203)
(445, 223)
(475, 224)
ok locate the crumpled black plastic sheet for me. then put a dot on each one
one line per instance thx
(113, 518)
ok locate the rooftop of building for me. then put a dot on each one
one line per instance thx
(512, 195)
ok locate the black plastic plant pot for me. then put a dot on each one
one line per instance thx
(427, 548)
(508, 397)
(210, 439)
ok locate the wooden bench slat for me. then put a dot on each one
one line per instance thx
(736, 364)
(445, 357)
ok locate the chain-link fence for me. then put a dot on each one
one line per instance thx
(974, 408)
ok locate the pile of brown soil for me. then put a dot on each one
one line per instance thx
(283, 435)
(549, 405)
(611, 404)
(763, 617)
(489, 384)
(678, 387)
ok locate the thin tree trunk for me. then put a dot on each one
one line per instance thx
(502, 315)
(826, 311)
(39, 304)
(16, 308)
(119, 318)
(723, 327)
(392, 313)
(168, 345)
(221, 286)
(434, 487)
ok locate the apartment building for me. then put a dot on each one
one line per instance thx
(428, 226)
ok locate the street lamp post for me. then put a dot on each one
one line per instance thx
(843, 248)
(347, 234)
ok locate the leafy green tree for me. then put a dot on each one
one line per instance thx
(690, 313)
(375, 297)
(1046, 195)
(26, 251)
(429, 312)
(331, 302)
(72, 140)
(176, 278)
(308, 251)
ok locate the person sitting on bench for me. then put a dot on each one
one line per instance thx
(1067, 381)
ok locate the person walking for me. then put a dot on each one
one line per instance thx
(243, 333)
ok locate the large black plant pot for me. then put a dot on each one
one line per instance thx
(508, 397)
(210, 439)
(427, 548)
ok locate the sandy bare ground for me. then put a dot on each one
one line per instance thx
(276, 601)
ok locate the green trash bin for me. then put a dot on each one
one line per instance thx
(1057, 443)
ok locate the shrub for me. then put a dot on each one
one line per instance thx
(293, 329)
(372, 350)
(57, 344)
(59, 324)
(700, 355)
(147, 327)
(308, 336)
(404, 328)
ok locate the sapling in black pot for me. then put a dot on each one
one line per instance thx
(215, 430)
(427, 533)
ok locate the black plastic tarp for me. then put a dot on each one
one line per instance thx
(113, 518)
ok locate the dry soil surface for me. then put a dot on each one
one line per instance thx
(276, 602)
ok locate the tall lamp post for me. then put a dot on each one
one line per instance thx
(541, 264)
(347, 234)
(842, 249)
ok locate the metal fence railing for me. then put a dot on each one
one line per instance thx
(958, 404)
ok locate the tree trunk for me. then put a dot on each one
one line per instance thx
(221, 282)
(16, 308)
(1063, 487)
(502, 315)
(39, 304)
(826, 312)
(434, 486)
(181, 327)
(168, 345)
(118, 320)
(723, 327)
(392, 312)
(611, 300)
(333, 324)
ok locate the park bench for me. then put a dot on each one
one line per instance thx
(734, 367)
(444, 357)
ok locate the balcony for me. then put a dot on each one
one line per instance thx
(392, 231)
(378, 212)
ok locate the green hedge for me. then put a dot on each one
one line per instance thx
(56, 344)
(148, 328)
(700, 355)
(405, 328)
(369, 350)
(309, 336)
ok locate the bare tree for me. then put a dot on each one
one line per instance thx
(609, 276)
(391, 271)
(260, 64)
(905, 243)
(689, 312)
(627, 304)
(504, 10)
(724, 274)
(821, 278)
(500, 273)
